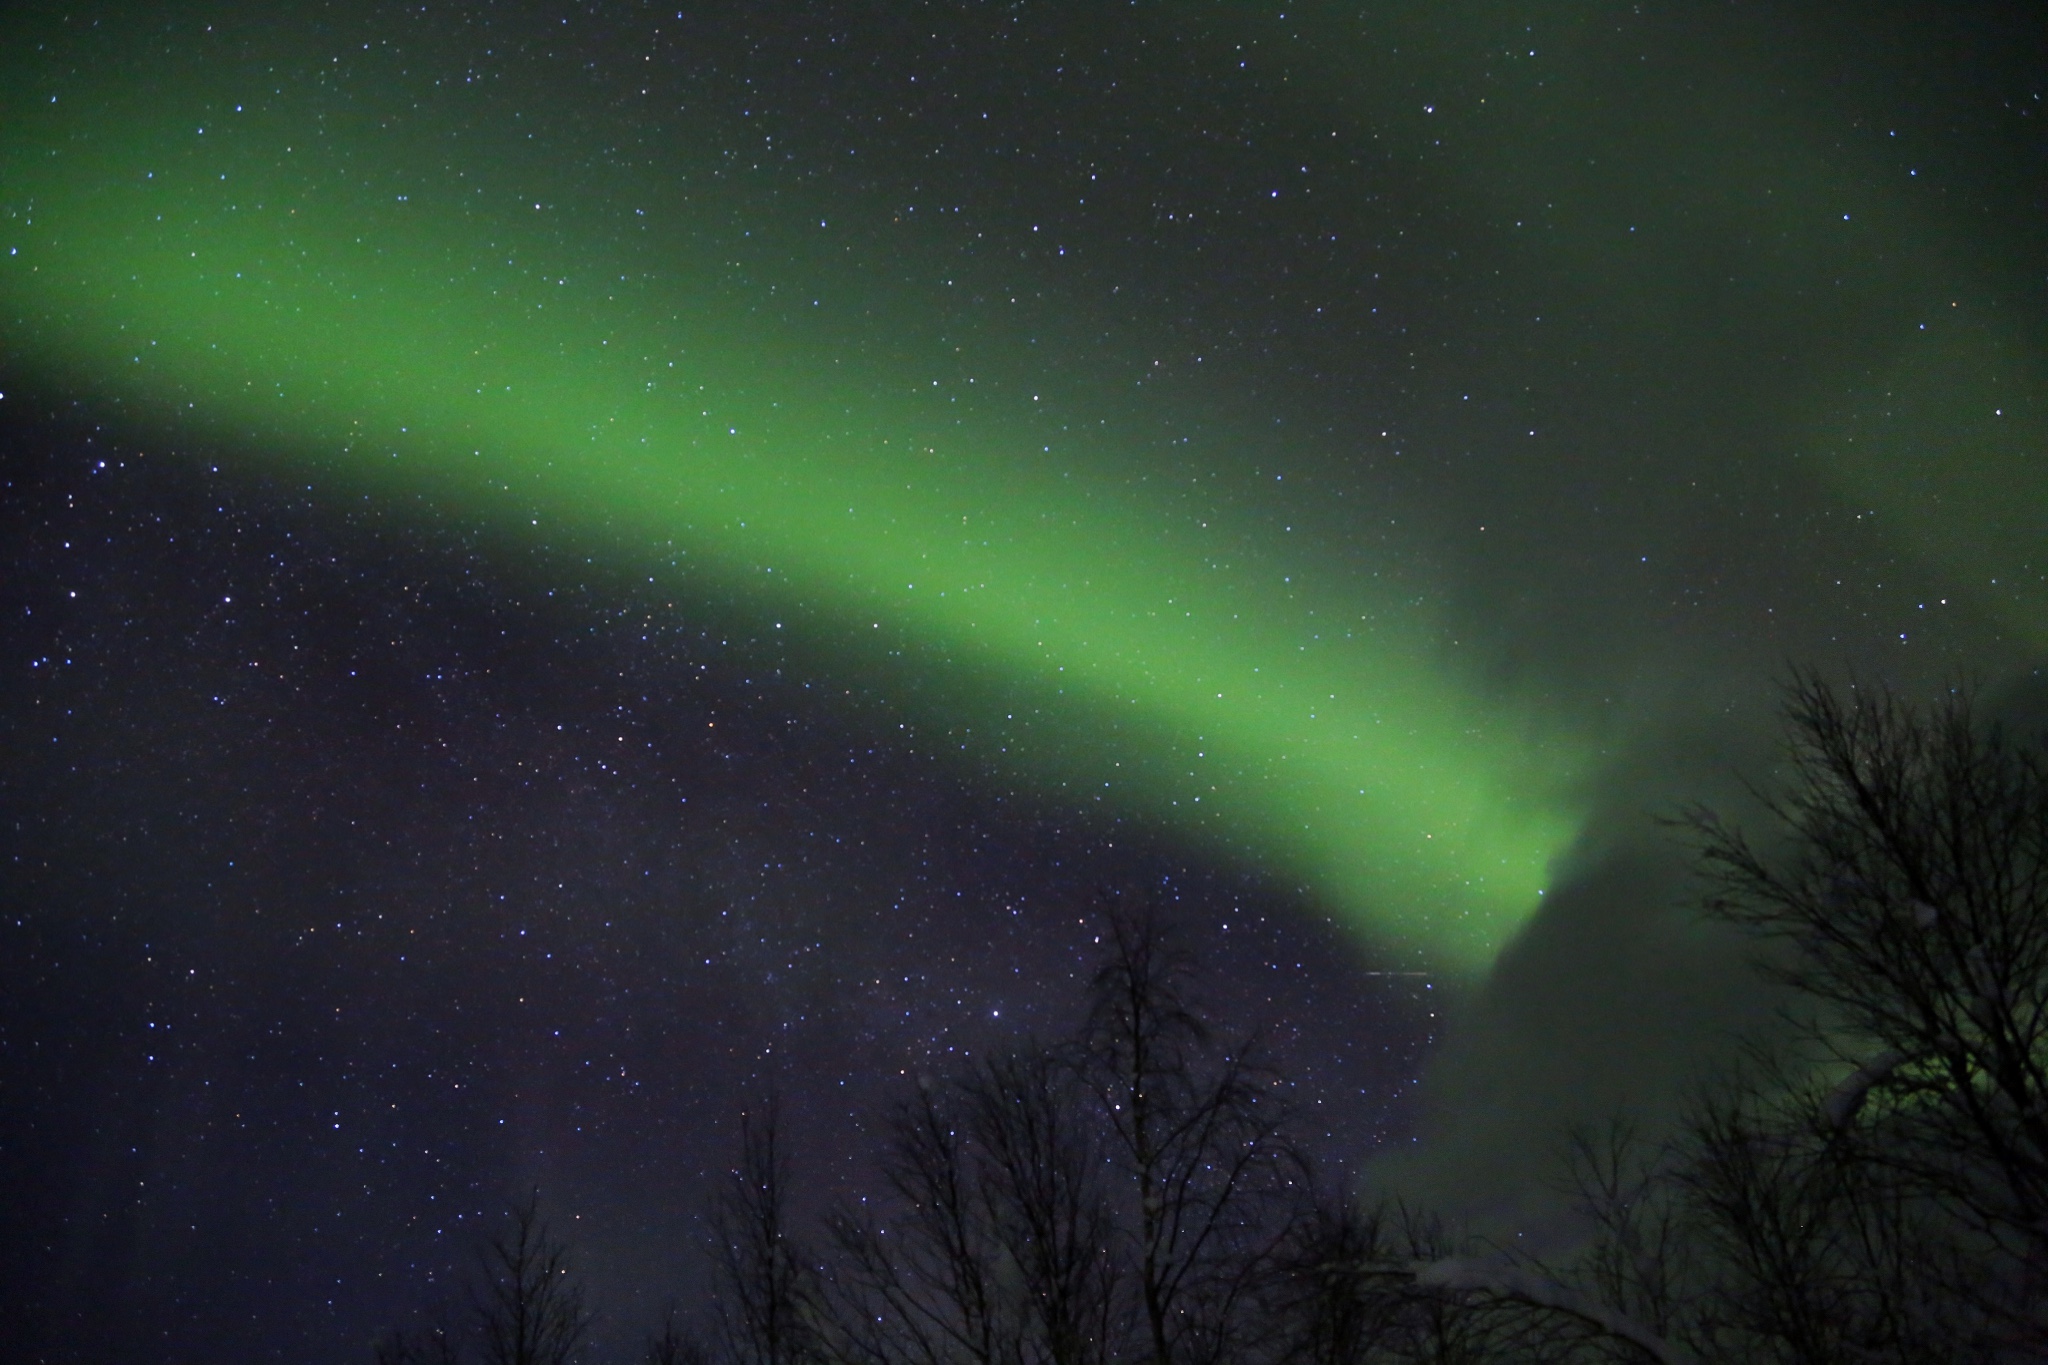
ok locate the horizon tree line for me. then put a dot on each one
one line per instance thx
(1871, 1185)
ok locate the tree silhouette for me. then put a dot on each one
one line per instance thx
(529, 1310)
(1041, 1169)
(435, 1346)
(1908, 913)
(768, 1298)
(926, 1283)
(672, 1345)
(1195, 1131)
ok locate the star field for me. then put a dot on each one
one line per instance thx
(562, 564)
(358, 880)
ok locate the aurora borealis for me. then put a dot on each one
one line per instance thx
(205, 266)
(1357, 463)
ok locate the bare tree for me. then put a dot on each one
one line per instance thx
(434, 1346)
(1389, 1286)
(1439, 1299)
(767, 1294)
(1908, 912)
(1132, 1197)
(1195, 1132)
(529, 1310)
(1815, 1257)
(1340, 1287)
(1873, 1190)
(1640, 1263)
(924, 1284)
(672, 1345)
(1041, 1173)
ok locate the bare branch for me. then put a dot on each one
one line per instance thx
(530, 1311)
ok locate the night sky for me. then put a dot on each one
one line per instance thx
(565, 566)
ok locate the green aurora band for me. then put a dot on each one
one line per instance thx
(162, 255)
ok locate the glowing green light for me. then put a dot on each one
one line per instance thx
(646, 418)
